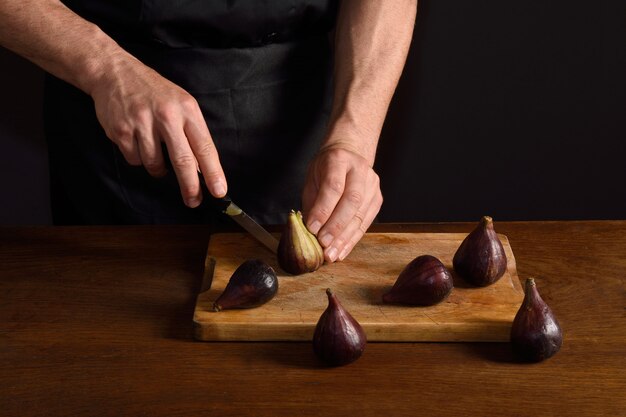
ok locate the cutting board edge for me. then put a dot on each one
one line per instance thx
(242, 333)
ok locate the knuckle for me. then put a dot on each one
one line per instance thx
(121, 131)
(165, 112)
(205, 148)
(189, 103)
(376, 180)
(335, 185)
(340, 242)
(153, 165)
(355, 198)
(337, 227)
(324, 212)
(184, 161)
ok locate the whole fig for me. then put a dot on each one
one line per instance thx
(298, 250)
(480, 259)
(338, 339)
(536, 334)
(424, 281)
(252, 284)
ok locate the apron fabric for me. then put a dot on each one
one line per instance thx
(264, 88)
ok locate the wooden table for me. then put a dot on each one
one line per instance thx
(98, 321)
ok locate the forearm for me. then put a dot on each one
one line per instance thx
(50, 35)
(372, 42)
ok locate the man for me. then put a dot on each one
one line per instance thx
(191, 92)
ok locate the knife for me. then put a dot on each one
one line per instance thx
(227, 206)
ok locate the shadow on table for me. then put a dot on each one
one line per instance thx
(492, 352)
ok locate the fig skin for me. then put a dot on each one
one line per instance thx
(480, 259)
(535, 334)
(299, 251)
(338, 339)
(425, 281)
(252, 284)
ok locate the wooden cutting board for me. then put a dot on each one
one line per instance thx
(468, 314)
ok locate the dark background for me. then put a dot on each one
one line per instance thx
(516, 110)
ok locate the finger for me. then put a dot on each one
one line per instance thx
(207, 157)
(347, 207)
(358, 227)
(330, 189)
(122, 134)
(345, 242)
(184, 164)
(151, 152)
(130, 150)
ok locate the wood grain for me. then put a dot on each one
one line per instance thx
(97, 321)
(468, 314)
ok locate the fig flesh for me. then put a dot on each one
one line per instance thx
(536, 334)
(480, 259)
(298, 250)
(338, 339)
(424, 281)
(252, 284)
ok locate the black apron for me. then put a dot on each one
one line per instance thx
(261, 72)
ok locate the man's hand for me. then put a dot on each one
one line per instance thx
(341, 198)
(139, 109)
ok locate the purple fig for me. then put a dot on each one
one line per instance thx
(339, 339)
(298, 249)
(480, 259)
(536, 334)
(252, 284)
(424, 281)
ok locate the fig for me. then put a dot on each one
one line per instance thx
(298, 250)
(536, 334)
(252, 284)
(480, 259)
(425, 281)
(338, 339)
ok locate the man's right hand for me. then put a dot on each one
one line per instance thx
(139, 109)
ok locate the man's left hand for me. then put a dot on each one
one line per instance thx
(341, 198)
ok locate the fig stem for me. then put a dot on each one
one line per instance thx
(329, 292)
(486, 220)
(530, 294)
(217, 307)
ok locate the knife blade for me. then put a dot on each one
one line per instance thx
(227, 206)
(256, 230)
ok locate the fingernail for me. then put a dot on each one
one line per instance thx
(344, 253)
(315, 227)
(332, 254)
(219, 189)
(325, 239)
